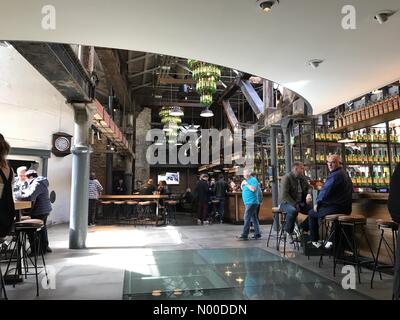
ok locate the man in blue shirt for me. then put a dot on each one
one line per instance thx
(251, 201)
(335, 196)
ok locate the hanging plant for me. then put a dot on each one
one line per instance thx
(206, 99)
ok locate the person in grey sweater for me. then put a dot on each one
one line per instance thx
(295, 196)
(37, 192)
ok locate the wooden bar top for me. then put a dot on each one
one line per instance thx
(371, 195)
(133, 196)
(21, 205)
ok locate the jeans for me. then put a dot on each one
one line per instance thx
(250, 213)
(92, 211)
(221, 208)
(291, 215)
(44, 241)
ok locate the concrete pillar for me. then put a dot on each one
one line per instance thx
(143, 124)
(80, 177)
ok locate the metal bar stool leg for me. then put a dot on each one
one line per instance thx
(377, 257)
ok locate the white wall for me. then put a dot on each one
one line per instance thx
(31, 110)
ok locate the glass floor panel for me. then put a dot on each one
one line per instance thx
(227, 274)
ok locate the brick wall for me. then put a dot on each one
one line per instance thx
(98, 160)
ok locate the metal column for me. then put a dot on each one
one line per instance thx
(128, 175)
(286, 127)
(109, 171)
(274, 183)
(80, 177)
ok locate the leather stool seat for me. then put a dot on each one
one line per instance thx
(23, 218)
(118, 202)
(131, 203)
(387, 224)
(353, 218)
(333, 217)
(29, 223)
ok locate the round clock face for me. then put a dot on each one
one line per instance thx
(61, 144)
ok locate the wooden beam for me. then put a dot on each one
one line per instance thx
(176, 81)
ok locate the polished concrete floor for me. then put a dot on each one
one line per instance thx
(186, 262)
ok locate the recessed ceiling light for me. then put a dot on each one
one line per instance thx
(383, 16)
(266, 5)
(315, 63)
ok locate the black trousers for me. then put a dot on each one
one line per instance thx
(44, 240)
(92, 211)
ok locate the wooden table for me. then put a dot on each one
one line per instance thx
(155, 197)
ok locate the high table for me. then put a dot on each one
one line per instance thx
(155, 197)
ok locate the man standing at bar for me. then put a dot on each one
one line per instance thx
(294, 197)
(250, 200)
(335, 196)
(201, 195)
(221, 189)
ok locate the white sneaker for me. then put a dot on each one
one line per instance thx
(328, 245)
(290, 237)
(316, 244)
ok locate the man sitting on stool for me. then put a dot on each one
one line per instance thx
(295, 196)
(335, 196)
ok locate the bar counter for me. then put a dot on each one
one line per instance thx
(234, 208)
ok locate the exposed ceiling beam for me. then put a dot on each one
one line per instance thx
(133, 60)
(161, 103)
(60, 66)
(143, 72)
(115, 74)
(176, 81)
(252, 98)
(141, 86)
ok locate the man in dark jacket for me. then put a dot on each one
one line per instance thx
(394, 209)
(335, 196)
(295, 196)
(37, 192)
(202, 197)
(220, 190)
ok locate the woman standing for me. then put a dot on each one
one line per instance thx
(7, 209)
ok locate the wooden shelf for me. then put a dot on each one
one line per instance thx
(367, 164)
(369, 122)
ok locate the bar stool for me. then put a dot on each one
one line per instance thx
(276, 217)
(105, 206)
(170, 206)
(118, 209)
(331, 225)
(145, 211)
(131, 212)
(385, 225)
(215, 205)
(3, 246)
(22, 229)
(354, 222)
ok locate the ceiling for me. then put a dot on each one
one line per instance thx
(235, 34)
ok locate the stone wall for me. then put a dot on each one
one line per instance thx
(143, 125)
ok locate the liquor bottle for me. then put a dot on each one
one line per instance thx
(369, 180)
(381, 180)
(367, 135)
(372, 135)
(386, 157)
(358, 179)
(363, 179)
(387, 179)
(353, 178)
(371, 157)
(365, 157)
(395, 136)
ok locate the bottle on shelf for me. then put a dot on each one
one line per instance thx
(369, 180)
